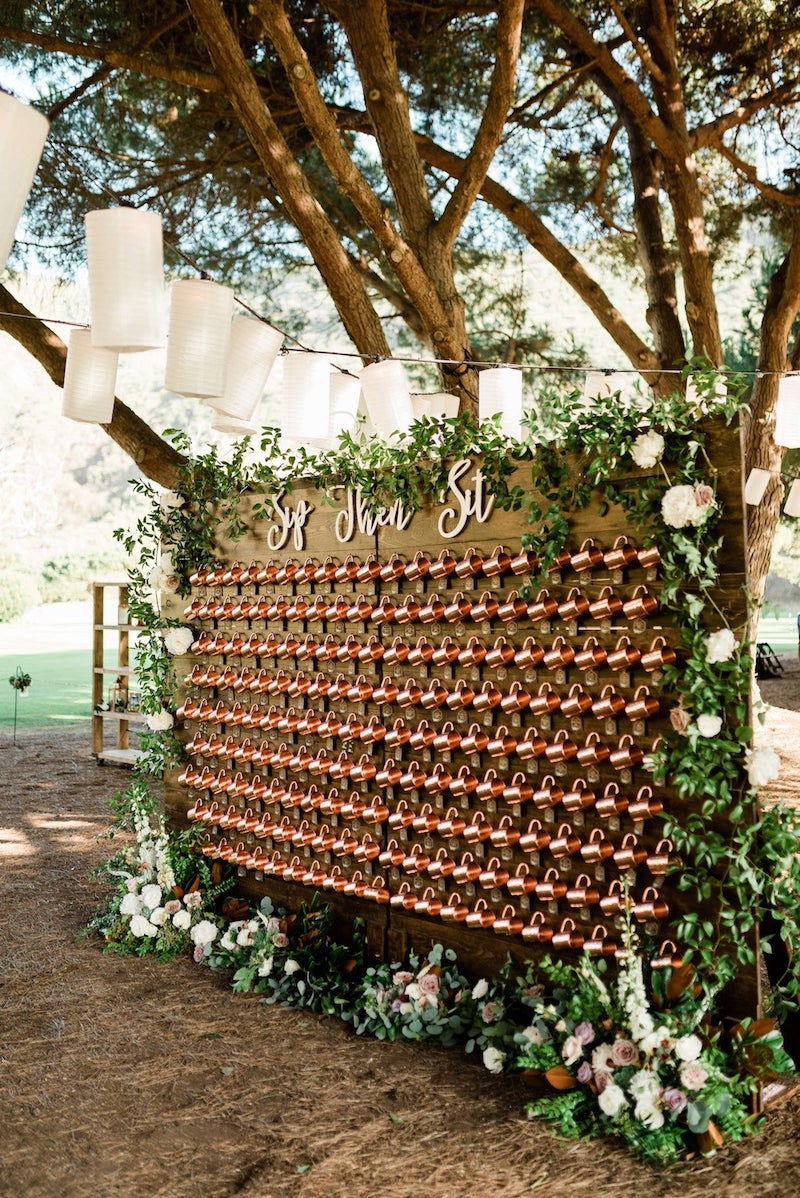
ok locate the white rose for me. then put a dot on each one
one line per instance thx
(763, 765)
(244, 937)
(533, 1035)
(131, 904)
(160, 721)
(142, 927)
(493, 1059)
(178, 641)
(163, 580)
(720, 646)
(688, 1048)
(182, 919)
(480, 989)
(413, 991)
(151, 895)
(571, 1050)
(648, 1113)
(205, 932)
(709, 725)
(647, 449)
(291, 966)
(612, 1100)
(159, 916)
(265, 968)
(678, 506)
(660, 1038)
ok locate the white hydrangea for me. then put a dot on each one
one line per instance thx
(160, 721)
(720, 646)
(647, 449)
(178, 641)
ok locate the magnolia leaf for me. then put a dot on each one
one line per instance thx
(560, 1078)
(681, 979)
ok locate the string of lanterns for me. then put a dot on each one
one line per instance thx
(226, 359)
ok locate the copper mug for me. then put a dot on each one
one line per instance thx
(640, 605)
(446, 653)
(451, 824)
(502, 744)
(650, 906)
(626, 755)
(487, 698)
(565, 843)
(442, 865)
(493, 875)
(369, 570)
(579, 798)
(486, 608)
(543, 607)
(414, 777)
(597, 849)
(402, 816)
(588, 557)
(502, 653)
(535, 839)
(668, 957)
(460, 608)
(418, 568)
(473, 652)
(567, 936)
(404, 897)
(621, 555)
(447, 740)
(577, 701)
(519, 790)
(463, 784)
(600, 943)
(453, 909)
(429, 904)
(467, 870)
(607, 605)
(525, 562)
(498, 563)
(561, 748)
(398, 651)
(479, 829)
(658, 655)
(444, 565)
(522, 881)
(574, 606)
(593, 751)
(432, 611)
(545, 701)
(623, 655)
(548, 794)
(476, 739)
(582, 893)
(551, 887)
(645, 804)
(392, 856)
(538, 930)
(508, 923)
(512, 608)
(517, 699)
(531, 746)
(530, 655)
(660, 861)
(480, 916)
(630, 853)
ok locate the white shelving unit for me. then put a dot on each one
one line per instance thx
(113, 683)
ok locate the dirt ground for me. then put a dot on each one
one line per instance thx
(126, 1077)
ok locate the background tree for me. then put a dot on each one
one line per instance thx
(392, 137)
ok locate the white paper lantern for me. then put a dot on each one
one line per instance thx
(787, 412)
(23, 132)
(420, 406)
(345, 394)
(600, 384)
(252, 352)
(792, 505)
(443, 405)
(385, 390)
(756, 485)
(305, 414)
(89, 380)
(232, 426)
(500, 391)
(125, 252)
(705, 401)
(199, 337)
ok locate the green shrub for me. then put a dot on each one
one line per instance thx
(18, 592)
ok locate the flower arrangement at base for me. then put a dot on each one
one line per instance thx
(291, 958)
(166, 894)
(20, 681)
(429, 1000)
(653, 1071)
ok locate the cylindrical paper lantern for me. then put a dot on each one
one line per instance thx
(500, 390)
(787, 412)
(232, 426)
(199, 337)
(253, 349)
(443, 405)
(420, 406)
(385, 390)
(600, 384)
(23, 132)
(90, 378)
(755, 486)
(125, 252)
(792, 505)
(345, 394)
(306, 398)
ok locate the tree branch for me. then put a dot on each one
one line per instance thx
(156, 458)
(553, 251)
(184, 76)
(711, 133)
(787, 199)
(490, 131)
(603, 60)
(342, 280)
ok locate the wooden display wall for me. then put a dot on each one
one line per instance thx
(400, 713)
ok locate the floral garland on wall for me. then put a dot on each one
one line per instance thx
(652, 1069)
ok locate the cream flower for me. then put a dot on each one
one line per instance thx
(693, 1076)
(720, 646)
(182, 919)
(159, 916)
(647, 449)
(612, 1100)
(684, 505)
(480, 989)
(571, 1050)
(151, 895)
(160, 721)
(493, 1059)
(763, 766)
(688, 1048)
(709, 725)
(291, 966)
(178, 641)
(193, 899)
(142, 927)
(205, 932)
(131, 904)
(265, 968)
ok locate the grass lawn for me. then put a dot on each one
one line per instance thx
(60, 690)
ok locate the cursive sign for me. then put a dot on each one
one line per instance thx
(469, 501)
(355, 516)
(290, 522)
